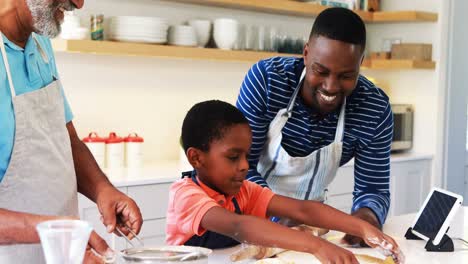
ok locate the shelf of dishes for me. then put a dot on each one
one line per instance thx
(222, 33)
(312, 10)
(180, 52)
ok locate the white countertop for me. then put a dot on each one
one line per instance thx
(413, 249)
(169, 171)
(163, 172)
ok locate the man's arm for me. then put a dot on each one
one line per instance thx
(89, 176)
(372, 176)
(94, 184)
(252, 103)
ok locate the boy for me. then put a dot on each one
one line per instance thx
(214, 207)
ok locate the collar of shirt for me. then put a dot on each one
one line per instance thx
(221, 199)
(29, 49)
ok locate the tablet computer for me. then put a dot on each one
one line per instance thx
(434, 217)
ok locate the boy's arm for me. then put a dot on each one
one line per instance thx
(321, 215)
(259, 231)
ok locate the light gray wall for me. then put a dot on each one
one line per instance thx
(456, 103)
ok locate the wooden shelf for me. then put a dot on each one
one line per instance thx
(312, 10)
(404, 16)
(161, 51)
(176, 52)
(398, 64)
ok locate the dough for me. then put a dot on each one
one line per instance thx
(272, 261)
(305, 258)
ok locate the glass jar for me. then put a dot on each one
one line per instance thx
(97, 27)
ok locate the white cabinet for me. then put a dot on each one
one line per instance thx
(152, 200)
(409, 185)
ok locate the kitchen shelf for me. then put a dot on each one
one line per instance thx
(312, 10)
(177, 52)
(164, 51)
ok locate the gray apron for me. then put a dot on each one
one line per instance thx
(40, 178)
(304, 178)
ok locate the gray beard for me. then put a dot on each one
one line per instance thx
(43, 14)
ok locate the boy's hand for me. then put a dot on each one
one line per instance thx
(385, 244)
(367, 215)
(331, 253)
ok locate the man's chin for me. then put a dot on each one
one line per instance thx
(50, 32)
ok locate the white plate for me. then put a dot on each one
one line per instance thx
(136, 19)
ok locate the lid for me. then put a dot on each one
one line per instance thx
(133, 137)
(166, 253)
(93, 138)
(113, 138)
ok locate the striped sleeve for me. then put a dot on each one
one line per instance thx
(372, 170)
(252, 102)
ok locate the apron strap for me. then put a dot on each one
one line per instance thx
(296, 92)
(7, 66)
(339, 134)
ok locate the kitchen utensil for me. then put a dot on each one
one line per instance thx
(131, 232)
(182, 35)
(64, 241)
(139, 29)
(166, 254)
(202, 29)
(134, 151)
(114, 151)
(97, 146)
(225, 33)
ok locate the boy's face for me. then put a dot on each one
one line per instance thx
(224, 167)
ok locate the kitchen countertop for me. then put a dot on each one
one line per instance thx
(413, 249)
(169, 171)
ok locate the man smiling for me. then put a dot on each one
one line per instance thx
(43, 163)
(311, 115)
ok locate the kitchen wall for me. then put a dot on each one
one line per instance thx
(151, 95)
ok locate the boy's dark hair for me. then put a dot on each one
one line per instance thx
(340, 24)
(207, 121)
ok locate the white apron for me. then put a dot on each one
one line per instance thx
(305, 178)
(40, 178)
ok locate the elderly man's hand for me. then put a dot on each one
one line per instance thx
(367, 215)
(101, 250)
(117, 208)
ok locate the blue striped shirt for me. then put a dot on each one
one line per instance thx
(268, 87)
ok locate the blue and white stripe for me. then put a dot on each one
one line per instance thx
(267, 88)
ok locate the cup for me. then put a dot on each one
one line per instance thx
(225, 33)
(64, 241)
(202, 29)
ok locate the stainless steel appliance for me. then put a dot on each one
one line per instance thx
(403, 127)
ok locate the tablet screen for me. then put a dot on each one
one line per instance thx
(434, 214)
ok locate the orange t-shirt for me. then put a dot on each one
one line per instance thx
(188, 203)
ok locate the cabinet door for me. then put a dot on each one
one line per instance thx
(342, 202)
(343, 182)
(407, 185)
(152, 199)
(153, 232)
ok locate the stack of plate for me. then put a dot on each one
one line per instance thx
(139, 29)
(182, 35)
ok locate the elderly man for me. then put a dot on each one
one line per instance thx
(43, 163)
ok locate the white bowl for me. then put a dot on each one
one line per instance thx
(182, 35)
(202, 30)
(225, 33)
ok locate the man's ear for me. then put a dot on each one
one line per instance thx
(195, 157)
(305, 53)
